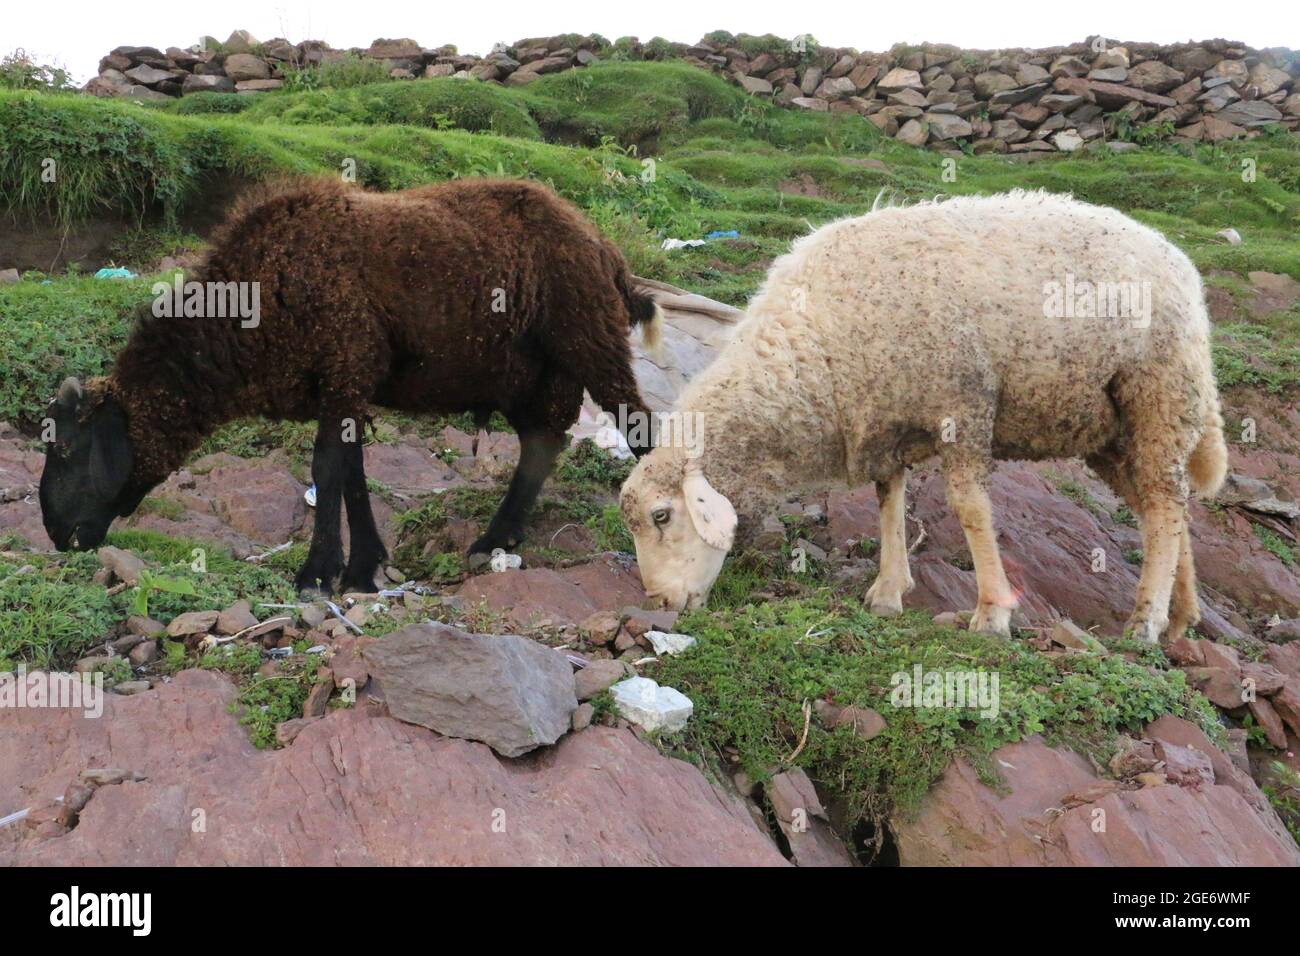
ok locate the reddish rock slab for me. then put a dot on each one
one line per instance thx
(532, 597)
(354, 789)
(1041, 823)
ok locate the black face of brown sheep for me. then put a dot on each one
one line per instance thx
(86, 482)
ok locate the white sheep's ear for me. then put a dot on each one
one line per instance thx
(69, 392)
(711, 513)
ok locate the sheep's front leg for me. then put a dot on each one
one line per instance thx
(537, 453)
(366, 551)
(969, 499)
(325, 559)
(894, 578)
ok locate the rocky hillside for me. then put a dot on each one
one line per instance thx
(947, 98)
(770, 714)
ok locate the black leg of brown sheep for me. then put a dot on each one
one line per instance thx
(325, 559)
(366, 551)
(537, 453)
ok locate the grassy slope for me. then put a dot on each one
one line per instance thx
(722, 161)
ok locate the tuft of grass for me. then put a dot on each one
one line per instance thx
(754, 668)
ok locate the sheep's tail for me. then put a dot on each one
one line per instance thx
(646, 314)
(1208, 464)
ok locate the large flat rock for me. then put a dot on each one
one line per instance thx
(353, 789)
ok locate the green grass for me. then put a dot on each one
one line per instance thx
(754, 667)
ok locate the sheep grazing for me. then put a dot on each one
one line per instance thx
(473, 295)
(1017, 326)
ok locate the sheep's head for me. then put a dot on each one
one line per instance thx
(682, 526)
(87, 478)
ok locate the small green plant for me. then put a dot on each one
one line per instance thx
(156, 582)
(18, 71)
(1275, 546)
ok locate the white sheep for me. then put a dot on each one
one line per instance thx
(1018, 326)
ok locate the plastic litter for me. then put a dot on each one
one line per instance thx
(309, 496)
(279, 652)
(1232, 235)
(665, 643)
(644, 702)
(334, 609)
(108, 273)
(317, 649)
(14, 817)
(680, 243)
(723, 234)
(503, 561)
(612, 440)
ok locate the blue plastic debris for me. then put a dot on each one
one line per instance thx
(120, 273)
(724, 234)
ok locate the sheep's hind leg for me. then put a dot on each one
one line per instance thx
(1185, 608)
(894, 578)
(537, 453)
(325, 559)
(969, 498)
(1164, 528)
(366, 551)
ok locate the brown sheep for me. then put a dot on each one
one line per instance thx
(474, 295)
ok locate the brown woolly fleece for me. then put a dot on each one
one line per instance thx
(474, 295)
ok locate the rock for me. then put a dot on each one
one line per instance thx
(865, 722)
(1114, 95)
(991, 82)
(962, 822)
(1113, 74)
(192, 622)
(1286, 703)
(1068, 634)
(638, 620)
(582, 717)
(900, 79)
(9, 276)
(146, 652)
(1265, 679)
(1184, 766)
(1067, 141)
(1154, 77)
(1266, 717)
(596, 677)
(318, 697)
(240, 41)
(145, 626)
(1069, 66)
(1249, 114)
(126, 567)
(643, 702)
(258, 86)
(526, 598)
(810, 103)
(507, 691)
(802, 819)
(600, 628)
(357, 790)
(245, 66)
(129, 687)
(755, 85)
(945, 126)
(1268, 80)
(914, 133)
(207, 83)
(288, 731)
(236, 618)
(148, 75)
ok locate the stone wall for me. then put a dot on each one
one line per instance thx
(1048, 100)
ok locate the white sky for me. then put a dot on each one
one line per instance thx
(76, 33)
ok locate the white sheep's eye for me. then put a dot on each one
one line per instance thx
(660, 516)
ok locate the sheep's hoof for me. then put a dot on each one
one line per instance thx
(992, 619)
(886, 608)
(1143, 629)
